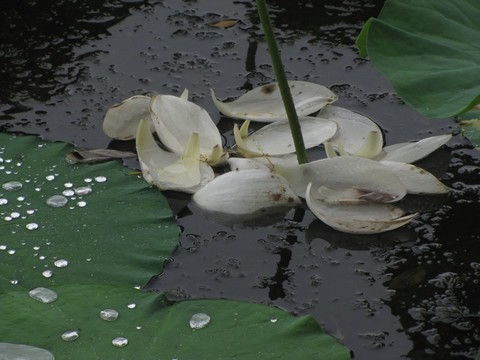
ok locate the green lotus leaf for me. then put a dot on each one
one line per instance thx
(109, 227)
(156, 329)
(429, 51)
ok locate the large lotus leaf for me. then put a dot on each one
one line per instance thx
(156, 329)
(429, 51)
(120, 232)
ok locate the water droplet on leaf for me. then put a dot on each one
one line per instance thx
(109, 314)
(199, 321)
(84, 190)
(100, 179)
(61, 263)
(43, 295)
(31, 226)
(3, 201)
(47, 273)
(120, 341)
(70, 335)
(57, 201)
(68, 192)
(12, 186)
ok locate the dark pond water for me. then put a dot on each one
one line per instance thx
(407, 294)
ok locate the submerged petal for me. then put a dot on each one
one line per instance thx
(169, 171)
(342, 173)
(276, 138)
(122, 119)
(265, 103)
(175, 119)
(357, 134)
(245, 191)
(414, 151)
(368, 218)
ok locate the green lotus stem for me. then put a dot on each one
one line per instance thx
(282, 82)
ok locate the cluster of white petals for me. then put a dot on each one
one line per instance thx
(350, 190)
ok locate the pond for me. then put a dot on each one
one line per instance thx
(407, 294)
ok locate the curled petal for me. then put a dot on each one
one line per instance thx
(414, 151)
(357, 134)
(368, 218)
(416, 180)
(121, 120)
(342, 173)
(175, 119)
(265, 103)
(276, 138)
(169, 171)
(245, 191)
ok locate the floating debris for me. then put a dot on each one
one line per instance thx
(109, 314)
(43, 295)
(199, 321)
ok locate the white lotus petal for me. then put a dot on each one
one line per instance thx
(353, 195)
(245, 191)
(184, 95)
(276, 138)
(175, 119)
(353, 130)
(414, 151)
(342, 173)
(169, 171)
(369, 218)
(122, 119)
(244, 164)
(417, 180)
(265, 103)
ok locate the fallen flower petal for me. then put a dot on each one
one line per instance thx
(265, 103)
(245, 191)
(367, 218)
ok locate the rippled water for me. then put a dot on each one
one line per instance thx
(408, 294)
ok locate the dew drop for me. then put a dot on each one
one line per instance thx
(132, 306)
(14, 282)
(199, 321)
(3, 202)
(70, 335)
(68, 185)
(57, 201)
(100, 179)
(50, 177)
(30, 211)
(82, 203)
(47, 273)
(273, 320)
(88, 180)
(120, 341)
(68, 192)
(7, 218)
(26, 352)
(43, 295)
(109, 314)
(61, 263)
(11, 252)
(31, 226)
(21, 198)
(15, 215)
(12, 186)
(84, 190)
(3, 247)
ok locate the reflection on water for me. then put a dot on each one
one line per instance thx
(38, 40)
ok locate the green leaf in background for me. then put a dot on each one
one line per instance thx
(429, 51)
(119, 231)
(157, 330)
(110, 235)
(469, 124)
